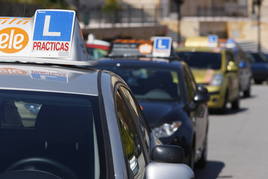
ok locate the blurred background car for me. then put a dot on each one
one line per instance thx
(215, 68)
(243, 61)
(259, 67)
(97, 48)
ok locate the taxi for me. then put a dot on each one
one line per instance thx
(215, 68)
(61, 119)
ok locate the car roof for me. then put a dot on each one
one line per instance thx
(41, 78)
(140, 61)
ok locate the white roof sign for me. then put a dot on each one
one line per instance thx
(162, 46)
(212, 40)
(50, 34)
(53, 32)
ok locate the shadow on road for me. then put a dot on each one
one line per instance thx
(211, 171)
(249, 98)
(228, 111)
(231, 111)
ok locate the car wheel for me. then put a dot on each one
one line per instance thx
(236, 104)
(247, 93)
(201, 163)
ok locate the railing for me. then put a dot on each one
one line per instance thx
(121, 17)
(218, 11)
(129, 16)
(17, 9)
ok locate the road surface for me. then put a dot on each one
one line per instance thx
(238, 141)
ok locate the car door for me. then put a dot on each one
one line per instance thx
(244, 69)
(233, 78)
(198, 114)
(135, 152)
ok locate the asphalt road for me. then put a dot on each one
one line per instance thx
(238, 141)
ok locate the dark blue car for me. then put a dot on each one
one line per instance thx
(259, 67)
(174, 106)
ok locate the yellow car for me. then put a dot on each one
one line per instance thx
(215, 68)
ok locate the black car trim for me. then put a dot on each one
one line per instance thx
(214, 93)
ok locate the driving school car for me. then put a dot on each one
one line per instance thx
(215, 68)
(173, 105)
(60, 119)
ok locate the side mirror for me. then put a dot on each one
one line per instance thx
(168, 154)
(202, 95)
(232, 67)
(168, 170)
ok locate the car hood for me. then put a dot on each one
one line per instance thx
(158, 112)
(203, 76)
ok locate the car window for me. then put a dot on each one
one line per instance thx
(136, 113)
(258, 57)
(54, 127)
(190, 84)
(132, 145)
(150, 83)
(201, 60)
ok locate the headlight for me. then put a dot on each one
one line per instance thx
(217, 80)
(167, 129)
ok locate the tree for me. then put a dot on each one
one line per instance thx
(111, 6)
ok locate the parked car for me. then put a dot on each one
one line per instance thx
(243, 61)
(174, 106)
(259, 67)
(97, 48)
(215, 68)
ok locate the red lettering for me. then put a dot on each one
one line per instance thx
(62, 46)
(34, 45)
(38, 45)
(66, 46)
(53, 46)
(43, 46)
(47, 45)
(58, 46)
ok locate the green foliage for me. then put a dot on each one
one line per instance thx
(43, 3)
(111, 6)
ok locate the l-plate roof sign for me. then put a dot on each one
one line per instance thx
(53, 32)
(162, 46)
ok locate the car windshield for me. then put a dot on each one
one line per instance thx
(258, 57)
(96, 53)
(49, 128)
(202, 60)
(150, 83)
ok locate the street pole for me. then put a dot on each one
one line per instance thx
(179, 4)
(259, 28)
(179, 24)
(258, 3)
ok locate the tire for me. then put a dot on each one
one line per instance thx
(236, 104)
(247, 93)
